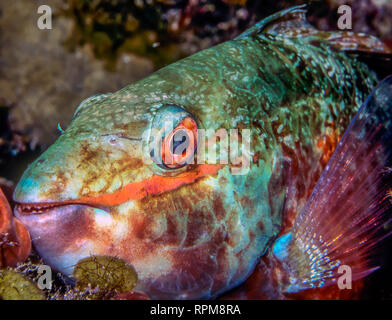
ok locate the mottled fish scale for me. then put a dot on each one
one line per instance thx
(199, 230)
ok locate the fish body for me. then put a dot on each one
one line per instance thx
(197, 230)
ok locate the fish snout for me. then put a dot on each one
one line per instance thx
(57, 176)
(39, 186)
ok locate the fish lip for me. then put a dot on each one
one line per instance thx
(41, 208)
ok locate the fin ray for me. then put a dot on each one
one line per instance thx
(344, 219)
(292, 23)
(294, 16)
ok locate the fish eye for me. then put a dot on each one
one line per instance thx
(178, 147)
(175, 138)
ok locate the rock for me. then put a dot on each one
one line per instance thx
(41, 80)
(104, 276)
(13, 286)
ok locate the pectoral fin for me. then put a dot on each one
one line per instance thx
(344, 219)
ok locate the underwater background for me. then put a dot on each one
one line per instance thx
(99, 46)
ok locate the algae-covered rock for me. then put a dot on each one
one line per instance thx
(13, 286)
(106, 275)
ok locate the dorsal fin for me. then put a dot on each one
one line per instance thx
(366, 48)
(290, 22)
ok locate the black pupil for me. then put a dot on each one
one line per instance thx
(178, 143)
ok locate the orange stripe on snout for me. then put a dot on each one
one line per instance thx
(151, 186)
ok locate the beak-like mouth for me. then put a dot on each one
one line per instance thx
(42, 208)
(36, 208)
(62, 232)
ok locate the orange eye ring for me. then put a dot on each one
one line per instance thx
(176, 155)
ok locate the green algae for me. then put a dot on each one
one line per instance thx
(102, 277)
(14, 286)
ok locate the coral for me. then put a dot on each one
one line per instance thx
(15, 243)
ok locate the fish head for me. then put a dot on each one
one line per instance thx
(113, 184)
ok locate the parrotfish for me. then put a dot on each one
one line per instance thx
(196, 226)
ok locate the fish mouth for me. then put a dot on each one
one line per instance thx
(39, 208)
(62, 232)
(36, 208)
